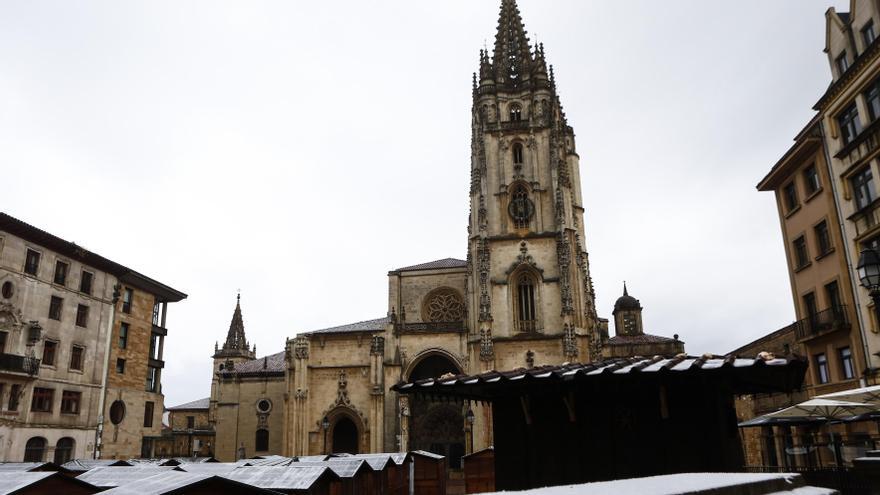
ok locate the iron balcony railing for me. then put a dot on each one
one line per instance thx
(823, 322)
(19, 364)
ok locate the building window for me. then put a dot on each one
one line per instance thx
(64, 450)
(3, 336)
(810, 307)
(872, 100)
(127, 298)
(801, 257)
(35, 449)
(846, 363)
(823, 237)
(60, 272)
(517, 153)
(863, 188)
(42, 399)
(120, 366)
(850, 127)
(123, 335)
(32, 262)
(525, 292)
(152, 379)
(117, 412)
(70, 402)
(515, 112)
(868, 35)
(85, 282)
(822, 368)
(521, 207)
(842, 64)
(76, 357)
(832, 294)
(149, 408)
(82, 315)
(789, 194)
(190, 422)
(14, 397)
(261, 443)
(811, 179)
(157, 313)
(55, 305)
(8, 290)
(49, 348)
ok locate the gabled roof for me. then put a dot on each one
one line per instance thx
(445, 263)
(179, 482)
(362, 326)
(291, 477)
(640, 339)
(196, 404)
(113, 476)
(72, 250)
(13, 481)
(87, 464)
(271, 364)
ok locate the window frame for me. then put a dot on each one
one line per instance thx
(32, 263)
(120, 366)
(790, 197)
(872, 100)
(86, 287)
(56, 308)
(811, 180)
(53, 353)
(849, 123)
(42, 399)
(149, 412)
(82, 315)
(822, 375)
(81, 351)
(823, 238)
(841, 62)
(864, 192)
(801, 253)
(127, 300)
(847, 364)
(868, 28)
(122, 342)
(63, 272)
(526, 302)
(71, 400)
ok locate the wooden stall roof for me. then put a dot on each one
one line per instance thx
(81, 465)
(113, 476)
(281, 477)
(31, 466)
(765, 373)
(16, 481)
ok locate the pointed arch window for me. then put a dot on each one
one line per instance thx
(526, 314)
(515, 112)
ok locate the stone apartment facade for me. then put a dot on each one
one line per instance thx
(522, 297)
(59, 316)
(189, 432)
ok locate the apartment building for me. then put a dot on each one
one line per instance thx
(62, 311)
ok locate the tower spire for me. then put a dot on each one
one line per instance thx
(235, 339)
(512, 58)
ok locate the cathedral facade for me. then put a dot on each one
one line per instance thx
(522, 297)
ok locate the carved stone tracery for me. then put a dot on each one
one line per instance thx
(443, 305)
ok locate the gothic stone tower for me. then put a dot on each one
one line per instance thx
(529, 286)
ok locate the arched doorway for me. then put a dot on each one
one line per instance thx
(345, 436)
(437, 426)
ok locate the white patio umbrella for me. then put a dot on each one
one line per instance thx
(867, 395)
(825, 408)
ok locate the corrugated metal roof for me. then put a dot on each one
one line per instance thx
(196, 404)
(113, 476)
(269, 461)
(6, 467)
(216, 468)
(480, 386)
(435, 265)
(362, 326)
(292, 477)
(344, 467)
(158, 484)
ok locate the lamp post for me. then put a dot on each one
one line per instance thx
(869, 276)
(469, 417)
(325, 424)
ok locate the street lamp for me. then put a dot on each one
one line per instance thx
(325, 424)
(869, 275)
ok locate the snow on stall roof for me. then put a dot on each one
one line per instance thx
(425, 453)
(157, 484)
(676, 484)
(278, 477)
(113, 476)
(87, 464)
(16, 480)
(341, 466)
(209, 467)
(269, 461)
(21, 466)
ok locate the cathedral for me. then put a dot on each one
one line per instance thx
(522, 297)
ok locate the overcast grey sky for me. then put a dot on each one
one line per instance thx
(300, 150)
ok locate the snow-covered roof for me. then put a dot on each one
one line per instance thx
(196, 404)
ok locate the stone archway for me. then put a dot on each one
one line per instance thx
(345, 437)
(436, 426)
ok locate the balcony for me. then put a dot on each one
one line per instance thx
(12, 363)
(822, 323)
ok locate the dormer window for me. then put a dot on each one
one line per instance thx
(515, 112)
(842, 64)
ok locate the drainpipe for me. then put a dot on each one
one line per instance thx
(102, 400)
(832, 178)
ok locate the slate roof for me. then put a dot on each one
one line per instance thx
(362, 326)
(763, 374)
(196, 404)
(434, 265)
(639, 339)
(271, 364)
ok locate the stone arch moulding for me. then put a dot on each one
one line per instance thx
(443, 304)
(336, 412)
(434, 351)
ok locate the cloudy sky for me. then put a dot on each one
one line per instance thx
(298, 151)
